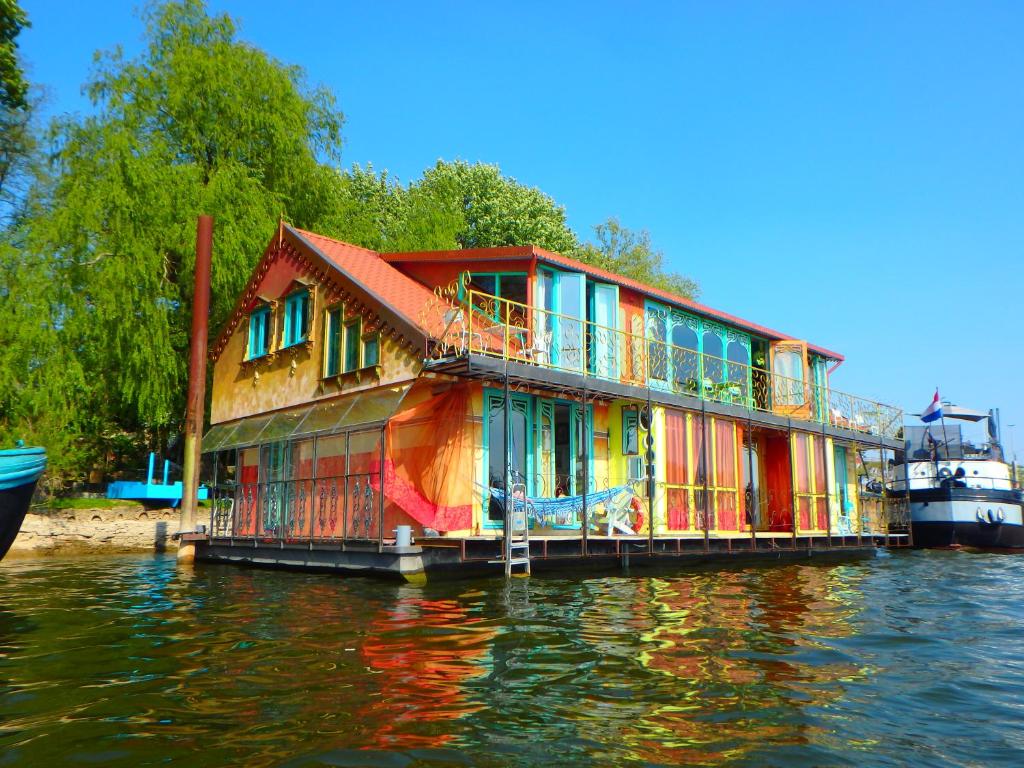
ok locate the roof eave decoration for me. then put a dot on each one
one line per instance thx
(317, 268)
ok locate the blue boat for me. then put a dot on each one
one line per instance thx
(152, 492)
(20, 470)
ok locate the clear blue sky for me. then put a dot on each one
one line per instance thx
(850, 173)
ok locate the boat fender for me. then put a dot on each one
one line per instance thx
(1000, 514)
(992, 517)
(638, 508)
(980, 515)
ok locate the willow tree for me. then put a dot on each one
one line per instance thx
(200, 122)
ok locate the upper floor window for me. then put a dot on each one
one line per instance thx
(510, 286)
(347, 348)
(352, 357)
(332, 333)
(259, 332)
(296, 318)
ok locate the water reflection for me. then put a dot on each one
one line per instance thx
(130, 661)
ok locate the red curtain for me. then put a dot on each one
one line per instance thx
(778, 483)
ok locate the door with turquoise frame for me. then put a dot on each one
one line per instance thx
(844, 522)
(819, 370)
(521, 447)
(603, 314)
(562, 296)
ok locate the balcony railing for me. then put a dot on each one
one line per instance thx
(483, 324)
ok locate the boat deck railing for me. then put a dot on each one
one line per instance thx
(483, 324)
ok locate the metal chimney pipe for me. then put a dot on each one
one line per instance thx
(195, 406)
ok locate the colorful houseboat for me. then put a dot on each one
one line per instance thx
(360, 397)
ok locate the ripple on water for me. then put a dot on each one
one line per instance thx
(909, 659)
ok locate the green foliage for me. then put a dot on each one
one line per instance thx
(497, 209)
(97, 249)
(75, 503)
(13, 87)
(199, 123)
(629, 252)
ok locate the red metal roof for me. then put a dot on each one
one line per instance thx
(532, 251)
(386, 284)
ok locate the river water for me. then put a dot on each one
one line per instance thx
(914, 658)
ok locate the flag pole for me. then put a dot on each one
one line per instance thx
(945, 440)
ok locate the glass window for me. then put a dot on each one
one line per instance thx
(484, 284)
(685, 362)
(352, 346)
(714, 367)
(371, 351)
(630, 439)
(259, 332)
(332, 360)
(657, 359)
(296, 318)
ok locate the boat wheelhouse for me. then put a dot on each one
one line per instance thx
(360, 397)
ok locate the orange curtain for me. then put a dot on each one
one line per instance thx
(428, 472)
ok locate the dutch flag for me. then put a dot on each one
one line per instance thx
(934, 411)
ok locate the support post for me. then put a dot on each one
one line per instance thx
(652, 485)
(753, 514)
(380, 495)
(828, 495)
(792, 478)
(195, 405)
(706, 467)
(586, 475)
(506, 544)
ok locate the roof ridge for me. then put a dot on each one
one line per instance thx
(347, 244)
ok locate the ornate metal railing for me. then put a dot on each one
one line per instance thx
(479, 323)
(322, 509)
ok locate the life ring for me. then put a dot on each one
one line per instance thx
(945, 473)
(638, 512)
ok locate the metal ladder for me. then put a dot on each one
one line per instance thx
(515, 543)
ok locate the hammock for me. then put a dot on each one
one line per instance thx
(560, 511)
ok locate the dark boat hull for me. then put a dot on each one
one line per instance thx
(14, 504)
(972, 535)
(967, 517)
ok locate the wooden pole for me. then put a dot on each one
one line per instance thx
(195, 406)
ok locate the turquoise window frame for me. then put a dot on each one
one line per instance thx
(700, 326)
(493, 398)
(553, 324)
(296, 318)
(598, 340)
(352, 344)
(630, 424)
(371, 342)
(335, 322)
(496, 317)
(259, 332)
